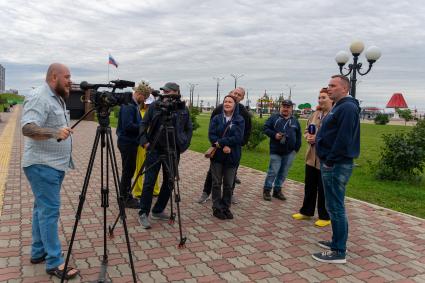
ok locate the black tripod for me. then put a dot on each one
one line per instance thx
(103, 134)
(168, 158)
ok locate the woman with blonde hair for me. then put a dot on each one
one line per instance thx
(313, 189)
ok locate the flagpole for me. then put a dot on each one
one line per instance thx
(108, 70)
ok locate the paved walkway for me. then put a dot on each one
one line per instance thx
(261, 244)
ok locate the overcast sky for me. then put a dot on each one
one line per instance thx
(275, 44)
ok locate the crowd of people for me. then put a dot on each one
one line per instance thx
(146, 141)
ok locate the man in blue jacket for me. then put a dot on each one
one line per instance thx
(150, 129)
(129, 121)
(337, 143)
(284, 132)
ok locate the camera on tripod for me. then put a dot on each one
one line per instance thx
(168, 103)
(102, 99)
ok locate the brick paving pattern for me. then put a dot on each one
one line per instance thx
(262, 244)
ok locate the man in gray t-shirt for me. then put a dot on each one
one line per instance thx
(45, 161)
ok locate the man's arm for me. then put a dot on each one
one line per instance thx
(36, 132)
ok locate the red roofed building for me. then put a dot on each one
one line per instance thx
(397, 101)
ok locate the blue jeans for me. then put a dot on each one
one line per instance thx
(278, 171)
(335, 179)
(46, 184)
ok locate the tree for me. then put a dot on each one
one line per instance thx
(405, 114)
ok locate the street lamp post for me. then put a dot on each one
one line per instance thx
(191, 91)
(372, 55)
(218, 79)
(236, 77)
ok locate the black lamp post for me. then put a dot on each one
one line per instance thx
(236, 77)
(372, 55)
(218, 86)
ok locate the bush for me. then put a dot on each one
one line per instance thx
(381, 119)
(194, 111)
(257, 134)
(403, 155)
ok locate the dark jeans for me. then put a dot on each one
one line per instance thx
(208, 182)
(334, 180)
(220, 174)
(149, 183)
(128, 158)
(313, 190)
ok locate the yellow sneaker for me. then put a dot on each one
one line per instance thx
(322, 223)
(299, 216)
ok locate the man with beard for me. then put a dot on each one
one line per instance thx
(45, 161)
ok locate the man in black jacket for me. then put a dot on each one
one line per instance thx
(239, 94)
(129, 121)
(149, 130)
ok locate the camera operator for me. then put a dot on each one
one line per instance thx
(129, 121)
(153, 120)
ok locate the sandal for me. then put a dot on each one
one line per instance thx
(58, 273)
(39, 259)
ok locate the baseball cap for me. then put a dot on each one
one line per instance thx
(150, 99)
(287, 102)
(170, 86)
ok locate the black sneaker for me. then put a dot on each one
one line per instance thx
(228, 214)
(330, 257)
(237, 180)
(266, 195)
(219, 214)
(132, 203)
(279, 195)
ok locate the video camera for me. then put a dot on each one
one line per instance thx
(168, 103)
(102, 99)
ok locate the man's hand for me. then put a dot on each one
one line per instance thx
(227, 149)
(64, 133)
(311, 139)
(146, 145)
(278, 136)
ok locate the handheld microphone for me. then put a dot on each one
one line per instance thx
(311, 129)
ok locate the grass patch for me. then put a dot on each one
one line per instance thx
(401, 196)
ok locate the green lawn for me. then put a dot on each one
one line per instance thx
(400, 196)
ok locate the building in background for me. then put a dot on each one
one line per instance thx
(2, 78)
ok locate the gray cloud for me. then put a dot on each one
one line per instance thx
(274, 43)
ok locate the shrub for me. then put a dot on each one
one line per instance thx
(194, 111)
(257, 135)
(381, 119)
(403, 155)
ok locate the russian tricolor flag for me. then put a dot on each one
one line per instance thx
(112, 61)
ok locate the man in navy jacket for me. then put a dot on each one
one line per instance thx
(337, 143)
(284, 132)
(129, 121)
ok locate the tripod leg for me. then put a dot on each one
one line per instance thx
(82, 199)
(141, 172)
(120, 198)
(174, 177)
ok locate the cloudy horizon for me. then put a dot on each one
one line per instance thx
(274, 44)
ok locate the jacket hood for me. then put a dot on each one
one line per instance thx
(349, 99)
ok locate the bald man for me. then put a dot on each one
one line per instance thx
(45, 161)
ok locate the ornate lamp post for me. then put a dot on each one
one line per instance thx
(372, 55)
